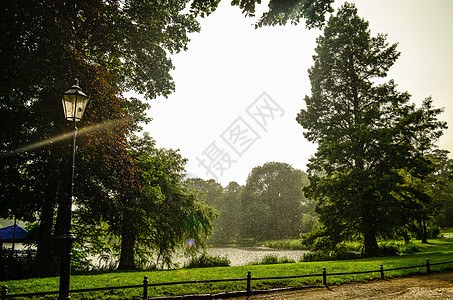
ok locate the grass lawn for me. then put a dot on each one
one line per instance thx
(438, 250)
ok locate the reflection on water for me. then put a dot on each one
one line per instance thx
(238, 256)
(248, 255)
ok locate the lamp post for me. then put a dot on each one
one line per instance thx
(74, 103)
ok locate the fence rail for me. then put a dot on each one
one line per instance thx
(145, 285)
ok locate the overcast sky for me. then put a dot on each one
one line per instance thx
(239, 89)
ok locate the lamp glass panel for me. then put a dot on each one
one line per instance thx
(74, 103)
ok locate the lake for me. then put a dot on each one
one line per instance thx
(238, 256)
(247, 255)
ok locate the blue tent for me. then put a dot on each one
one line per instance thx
(14, 231)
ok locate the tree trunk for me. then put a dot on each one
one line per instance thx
(46, 254)
(371, 246)
(127, 256)
(423, 231)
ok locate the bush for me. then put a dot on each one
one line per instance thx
(291, 244)
(325, 255)
(17, 264)
(433, 231)
(272, 259)
(388, 249)
(80, 261)
(207, 261)
(409, 248)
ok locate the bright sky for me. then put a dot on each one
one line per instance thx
(238, 90)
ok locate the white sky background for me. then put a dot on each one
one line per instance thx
(229, 64)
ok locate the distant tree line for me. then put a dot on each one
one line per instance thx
(270, 206)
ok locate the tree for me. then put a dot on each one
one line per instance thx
(366, 135)
(227, 203)
(438, 186)
(272, 202)
(227, 226)
(111, 46)
(279, 11)
(153, 218)
(207, 191)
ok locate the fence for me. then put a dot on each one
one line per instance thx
(145, 285)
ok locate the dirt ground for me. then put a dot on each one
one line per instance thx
(430, 286)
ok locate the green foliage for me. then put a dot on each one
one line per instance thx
(273, 202)
(208, 261)
(227, 203)
(111, 47)
(278, 13)
(388, 248)
(290, 244)
(409, 248)
(327, 256)
(17, 264)
(309, 222)
(272, 259)
(31, 239)
(155, 217)
(80, 261)
(433, 231)
(371, 140)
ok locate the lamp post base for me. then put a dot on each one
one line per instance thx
(65, 264)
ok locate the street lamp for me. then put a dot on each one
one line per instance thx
(74, 103)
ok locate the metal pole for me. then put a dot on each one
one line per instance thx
(145, 288)
(67, 237)
(249, 277)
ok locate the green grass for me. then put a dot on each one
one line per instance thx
(438, 250)
(447, 231)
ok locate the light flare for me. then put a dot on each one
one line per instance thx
(62, 137)
(190, 243)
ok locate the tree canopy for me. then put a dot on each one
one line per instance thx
(279, 11)
(112, 47)
(368, 135)
(273, 201)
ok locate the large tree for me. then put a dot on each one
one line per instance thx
(227, 202)
(110, 46)
(369, 135)
(151, 219)
(273, 201)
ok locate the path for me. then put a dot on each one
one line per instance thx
(430, 286)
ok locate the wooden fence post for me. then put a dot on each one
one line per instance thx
(4, 292)
(382, 271)
(145, 288)
(324, 276)
(427, 266)
(249, 276)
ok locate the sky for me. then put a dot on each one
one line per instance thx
(239, 89)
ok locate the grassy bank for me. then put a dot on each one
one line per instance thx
(438, 250)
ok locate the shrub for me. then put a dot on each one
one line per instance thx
(433, 231)
(292, 244)
(388, 249)
(325, 255)
(409, 248)
(207, 261)
(272, 259)
(17, 264)
(80, 261)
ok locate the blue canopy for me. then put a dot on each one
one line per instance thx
(6, 234)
